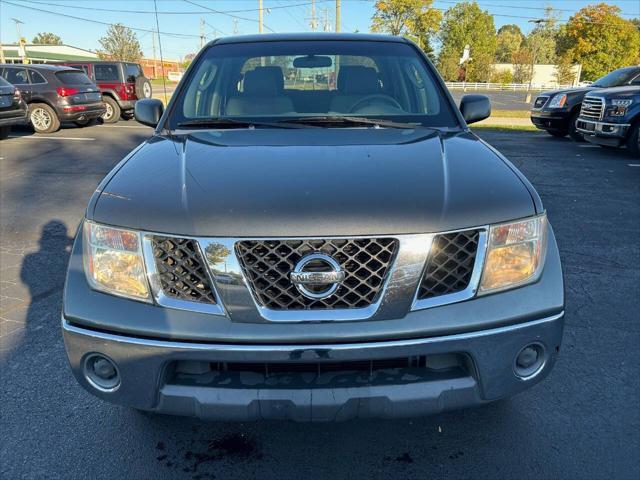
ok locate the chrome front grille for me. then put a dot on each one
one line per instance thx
(450, 264)
(180, 269)
(267, 265)
(592, 108)
(540, 102)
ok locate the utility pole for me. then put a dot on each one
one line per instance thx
(235, 26)
(327, 26)
(313, 22)
(337, 15)
(537, 21)
(21, 48)
(202, 34)
(260, 16)
(153, 37)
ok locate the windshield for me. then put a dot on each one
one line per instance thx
(280, 81)
(617, 78)
(73, 77)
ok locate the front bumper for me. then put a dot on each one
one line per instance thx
(603, 133)
(146, 383)
(557, 120)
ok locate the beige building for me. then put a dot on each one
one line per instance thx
(543, 75)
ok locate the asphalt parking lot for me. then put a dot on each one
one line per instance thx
(500, 99)
(581, 422)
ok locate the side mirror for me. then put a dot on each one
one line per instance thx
(148, 111)
(475, 108)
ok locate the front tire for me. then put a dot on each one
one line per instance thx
(43, 118)
(573, 131)
(4, 132)
(633, 140)
(113, 110)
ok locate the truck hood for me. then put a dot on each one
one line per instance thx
(618, 92)
(570, 91)
(311, 182)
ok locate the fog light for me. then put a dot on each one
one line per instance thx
(529, 360)
(101, 372)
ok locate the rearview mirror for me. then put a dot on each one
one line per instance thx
(148, 111)
(312, 61)
(475, 108)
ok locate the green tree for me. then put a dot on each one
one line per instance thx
(522, 59)
(414, 19)
(47, 38)
(466, 24)
(564, 70)
(120, 43)
(542, 40)
(509, 40)
(601, 40)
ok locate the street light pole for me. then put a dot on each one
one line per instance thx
(537, 21)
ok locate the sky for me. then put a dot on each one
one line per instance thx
(180, 20)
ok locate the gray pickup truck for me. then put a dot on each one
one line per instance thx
(312, 233)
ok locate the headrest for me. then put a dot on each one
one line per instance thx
(264, 81)
(358, 79)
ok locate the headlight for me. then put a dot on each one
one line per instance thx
(619, 106)
(515, 254)
(113, 261)
(558, 101)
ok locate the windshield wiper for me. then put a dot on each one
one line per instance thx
(349, 120)
(225, 122)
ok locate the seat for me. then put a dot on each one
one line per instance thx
(354, 83)
(262, 94)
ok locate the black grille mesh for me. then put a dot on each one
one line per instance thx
(268, 263)
(181, 270)
(450, 264)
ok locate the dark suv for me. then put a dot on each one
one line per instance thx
(287, 246)
(55, 94)
(557, 111)
(13, 110)
(121, 84)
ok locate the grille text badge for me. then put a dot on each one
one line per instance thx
(317, 276)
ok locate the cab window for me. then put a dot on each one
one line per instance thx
(106, 73)
(15, 75)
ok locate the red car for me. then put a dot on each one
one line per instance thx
(121, 84)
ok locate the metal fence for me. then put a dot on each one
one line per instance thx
(514, 87)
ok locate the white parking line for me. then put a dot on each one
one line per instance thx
(52, 138)
(589, 146)
(633, 164)
(123, 126)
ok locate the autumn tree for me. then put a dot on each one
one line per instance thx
(509, 40)
(120, 43)
(466, 24)
(565, 74)
(414, 19)
(601, 40)
(522, 60)
(47, 38)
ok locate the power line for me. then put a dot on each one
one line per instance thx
(169, 34)
(180, 12)
(229, 14)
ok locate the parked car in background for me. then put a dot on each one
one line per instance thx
(557, 111)
(611, 117)
(121, 84)
(13, 109)
(283, 252)
(55, 94)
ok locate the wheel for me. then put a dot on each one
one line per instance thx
(43, 118)
(557, 133)
(86, 122)
(4, 132)
(113, 110)
(143, 88)
(573, 131)
(633, 140)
